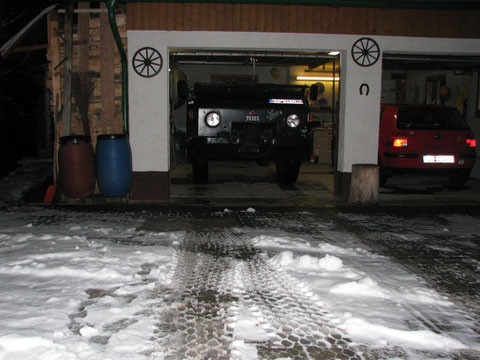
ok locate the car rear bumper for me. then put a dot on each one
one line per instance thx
(415, 161)
(447, 172)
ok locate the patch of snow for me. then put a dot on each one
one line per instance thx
(88, 331)
(380, 335)
(247, 326)
(367, 295)
(33, 348)
(366, 287)
(56, 279)
(306, 262)
(243, 351)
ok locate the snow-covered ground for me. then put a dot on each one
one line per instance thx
(50, 274)
(90, 284)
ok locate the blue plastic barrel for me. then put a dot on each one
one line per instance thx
(114, 164)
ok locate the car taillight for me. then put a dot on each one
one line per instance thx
(471, 142)
(400, 142)
(190, 115)
(310, 117)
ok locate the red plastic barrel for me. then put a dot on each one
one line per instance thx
(76, 163)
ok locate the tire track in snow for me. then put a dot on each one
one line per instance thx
(216, 277)
(193, 324)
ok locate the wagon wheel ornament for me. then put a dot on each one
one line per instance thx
(365, 52)
(147, 62)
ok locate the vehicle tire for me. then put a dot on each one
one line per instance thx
(459, 178)
(382, 181)
(262, 162)
(200, 171)
(287, 171)
(333, 158)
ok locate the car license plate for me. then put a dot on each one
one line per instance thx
(248, 149)
(252, 118)
(438, 159)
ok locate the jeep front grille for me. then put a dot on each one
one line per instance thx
(253, 133)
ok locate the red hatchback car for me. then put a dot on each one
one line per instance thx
(432, 140)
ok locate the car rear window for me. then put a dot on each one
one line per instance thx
(430, 119)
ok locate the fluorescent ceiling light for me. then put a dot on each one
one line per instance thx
(333, 53)
(317, 78)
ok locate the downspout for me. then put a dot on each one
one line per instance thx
(112, 6)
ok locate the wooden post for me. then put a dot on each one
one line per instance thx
(67, 71)
(53, 56)
(47, 126)
(364, 184)
(107, 73)
(83, 79)
(83, 37)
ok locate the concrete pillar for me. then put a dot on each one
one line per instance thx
(149, 126)
(360, 93)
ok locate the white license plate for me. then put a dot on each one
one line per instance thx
(438, 159)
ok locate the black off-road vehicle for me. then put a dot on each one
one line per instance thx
(262, 122)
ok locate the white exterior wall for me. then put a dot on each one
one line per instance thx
(359, 115)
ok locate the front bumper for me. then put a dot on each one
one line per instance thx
(217, 148)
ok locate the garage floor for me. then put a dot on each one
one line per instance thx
(248, 183)
(243, 181)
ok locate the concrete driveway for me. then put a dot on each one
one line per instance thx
(265, 277)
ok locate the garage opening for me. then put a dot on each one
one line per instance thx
(276, 78)
(424, 94)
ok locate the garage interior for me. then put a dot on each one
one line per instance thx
(406, 79)
(248, 179)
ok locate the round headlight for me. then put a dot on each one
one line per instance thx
(212, 119)
(293, 120)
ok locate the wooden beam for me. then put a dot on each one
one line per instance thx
(30, 48)
(67, 72)
(85, 11)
